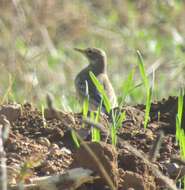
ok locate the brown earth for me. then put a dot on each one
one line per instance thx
(40, 144)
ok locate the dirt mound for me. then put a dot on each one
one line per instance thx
(41, 144)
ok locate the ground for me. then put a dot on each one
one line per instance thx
(40, 144)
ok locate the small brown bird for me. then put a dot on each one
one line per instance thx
(83, 83)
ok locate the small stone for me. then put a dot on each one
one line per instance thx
(54, 146)
(44, 141)
(172, 169)
(65, 150)
(149, 134)
(54, 149)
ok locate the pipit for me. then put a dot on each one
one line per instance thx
(84, 85)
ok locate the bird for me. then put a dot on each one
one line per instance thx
(84, 85)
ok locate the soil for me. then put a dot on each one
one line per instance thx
(40, 144)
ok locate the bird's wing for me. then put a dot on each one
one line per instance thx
(95, 95)
(108, 89)
(86, 87)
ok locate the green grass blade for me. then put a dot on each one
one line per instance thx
(180, 106)
(147, 86)
(101, 90)
(127, 86)
(121, 118)
(113, 135)
(148, 106)
(179, 115)
(75, 139)
(180, 134)
(177, 129)
(96, 132)
(117, 120)
(98, 112)
(142, 69)
(85, 108)
(95, 135)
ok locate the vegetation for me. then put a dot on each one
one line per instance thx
(37, 41)
(144, 42)
(148, 88)
(180, 134)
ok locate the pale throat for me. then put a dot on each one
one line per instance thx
(98, 66)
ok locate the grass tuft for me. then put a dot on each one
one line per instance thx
(147, 86)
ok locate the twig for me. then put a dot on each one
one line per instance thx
(96, 125)
(70, 180)
(156, 147)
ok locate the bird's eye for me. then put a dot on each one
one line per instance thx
(89, 51)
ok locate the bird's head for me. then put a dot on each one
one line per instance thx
(97, 57)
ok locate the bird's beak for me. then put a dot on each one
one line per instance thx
(80, 50)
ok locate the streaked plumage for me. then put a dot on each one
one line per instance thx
(98, 65)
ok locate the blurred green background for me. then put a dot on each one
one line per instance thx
(37, 40)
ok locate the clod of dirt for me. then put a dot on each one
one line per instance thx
(29, 137)
(135, 115)
(66, 118)
(165, 111)
(136, 174)
(106, 155)
(135, 181)
(11, 111)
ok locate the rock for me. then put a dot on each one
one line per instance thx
(11, 111)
